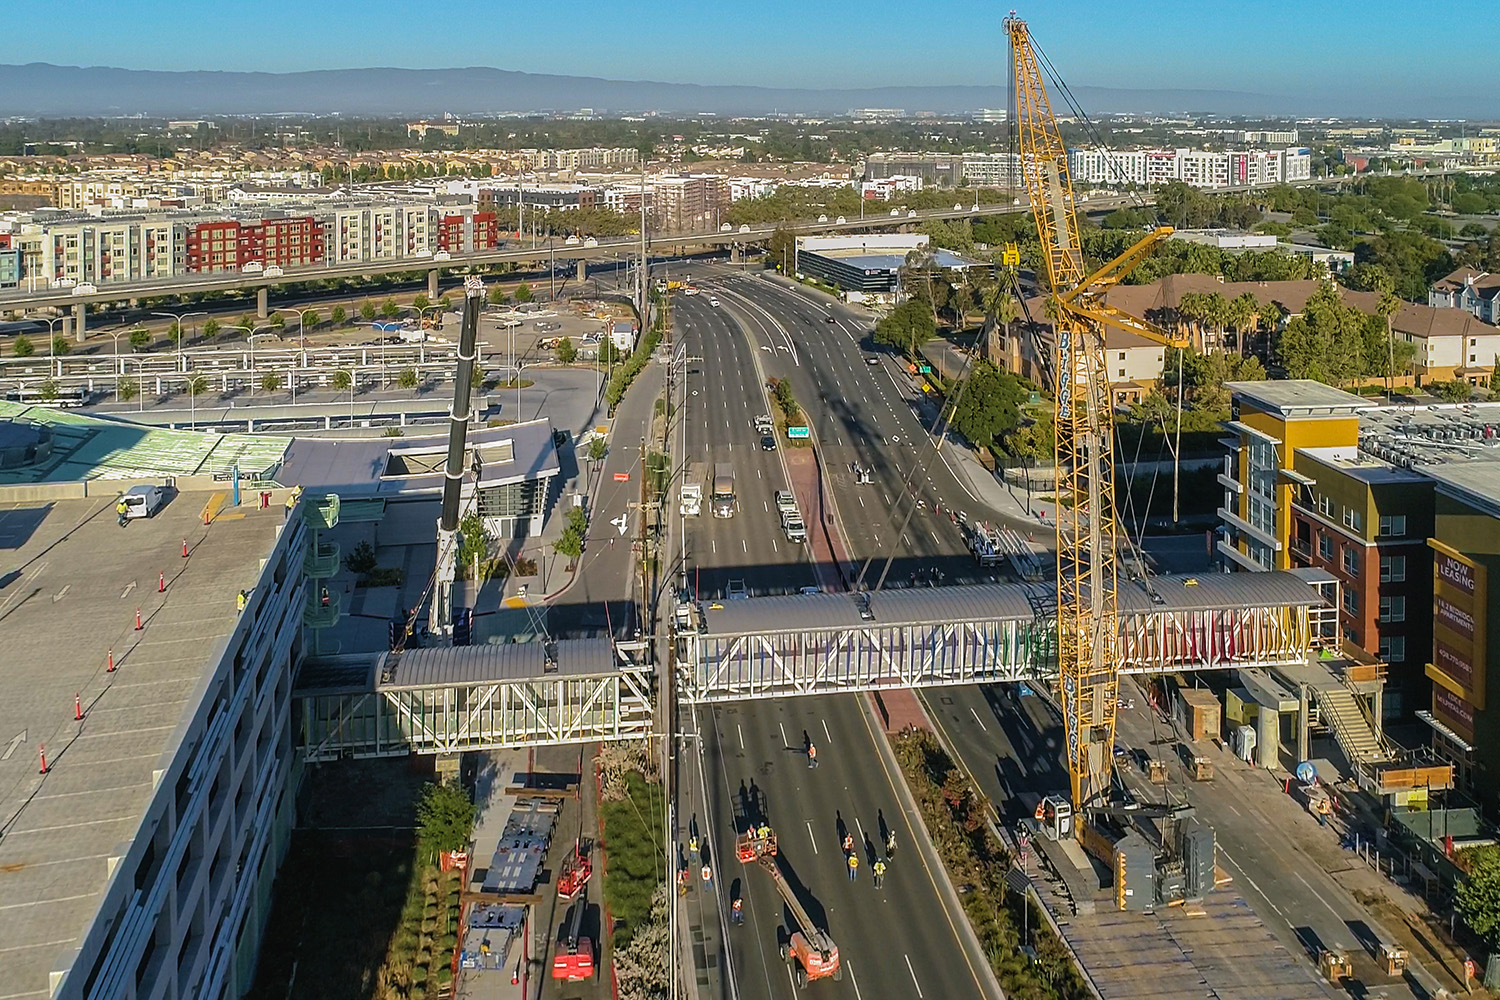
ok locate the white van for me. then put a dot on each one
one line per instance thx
(143, 501)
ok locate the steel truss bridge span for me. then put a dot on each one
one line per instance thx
(446, 700)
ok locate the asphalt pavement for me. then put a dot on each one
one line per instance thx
(899, 941)
(866, 414)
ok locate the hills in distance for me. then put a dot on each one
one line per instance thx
(44, 89)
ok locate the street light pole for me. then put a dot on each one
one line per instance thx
(178, 318)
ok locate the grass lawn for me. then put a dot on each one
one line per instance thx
(636, 862)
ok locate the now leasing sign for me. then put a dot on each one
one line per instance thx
(1459, 602)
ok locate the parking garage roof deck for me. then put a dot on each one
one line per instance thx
(72, 582)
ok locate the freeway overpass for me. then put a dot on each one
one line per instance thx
(61, 298)
(21, 300)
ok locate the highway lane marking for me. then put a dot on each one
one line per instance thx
(861, 501)
(861, 828)
(741, 732)
(913, 976)
(773, 546)
(811, 837)
(1251, 881)
(1315, 892)
(714, 544)
(848, 968)
(826, 734)
(978, 719)
(784, 741)
(744, 546)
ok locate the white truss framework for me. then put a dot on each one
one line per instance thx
(870, 656)
(486, 715)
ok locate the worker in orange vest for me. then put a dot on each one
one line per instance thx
(812, 755)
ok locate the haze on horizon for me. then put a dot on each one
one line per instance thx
(1272, 47)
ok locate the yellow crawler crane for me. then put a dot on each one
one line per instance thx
(1087, 531)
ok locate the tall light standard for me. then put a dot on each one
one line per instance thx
(118, 371)
(250, 334)
(51, 341)
(178, 318)
(301, 350)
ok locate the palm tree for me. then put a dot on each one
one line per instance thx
(1192, 308)
(1216, 314)
(1240, 314)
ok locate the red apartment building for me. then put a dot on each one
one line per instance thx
(229, 244)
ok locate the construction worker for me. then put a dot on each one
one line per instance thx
(123, 509)
(853, 866)
(293, 497)
(708, 873)
(763, 832)
(682, 881)
(325, 597)
(879, 872)
(890, 844)
(812, 755)
(692, 845)
(737, 910)
(240, 601)
(848, 843)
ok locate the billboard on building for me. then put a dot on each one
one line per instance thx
(1458, 648)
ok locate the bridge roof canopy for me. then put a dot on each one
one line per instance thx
(460, 666)
(997, 602)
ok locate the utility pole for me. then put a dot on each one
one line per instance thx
(643, 276)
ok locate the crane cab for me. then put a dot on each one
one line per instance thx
(576, 963)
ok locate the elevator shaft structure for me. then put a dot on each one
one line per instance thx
(440, 621)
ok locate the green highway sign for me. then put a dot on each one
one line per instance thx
(798, 432)
(925, 369)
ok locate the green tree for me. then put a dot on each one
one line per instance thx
(127, 389)
(523, 292)
(1457, 391)
(60, 345)
(420, 302)
(196, 386)
(1034, 441)
(989, 404)
(389, 309)
(48, 390)
(473, 541)
(408, 378)
(342, 379)
(277, 321)
(367, 311)
(174, 331)
(446, 302)
(575, 530)
(210, 328)
(782, 248)
(566, 352)
(498, 296)
(908, 326)
(140, 339)
(22, 346)
(246, 323)
(271, 382)
(340, 316)
(445, 819)
(310, 319)
(597, 448)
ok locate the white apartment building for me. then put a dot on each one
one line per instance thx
(887, 187)
(1199, 168)
(750, 187)
(992, 169)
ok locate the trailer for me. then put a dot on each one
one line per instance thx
(576, 871)
(986, 545)
(809, 951)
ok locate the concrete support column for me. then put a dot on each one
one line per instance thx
(1302, 723)
(432, 282)
(1377, 710)
(583, 271)
(262, 302)
(80, 322)
(734, 255)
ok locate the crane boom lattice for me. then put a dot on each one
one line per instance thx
(1087, 528)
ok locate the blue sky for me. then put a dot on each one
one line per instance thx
(1260, 46)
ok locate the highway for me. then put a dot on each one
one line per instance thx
(906, 939)
(869, 415)
(724, 396)
(179, 285)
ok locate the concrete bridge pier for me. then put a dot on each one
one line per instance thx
(734, 253)
(583, 271)
(432, 284)
(262, 302)
(80, 322)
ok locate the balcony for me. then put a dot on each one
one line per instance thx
(1230, 484)
(315, 614)
(321, 561)
(1301, 547)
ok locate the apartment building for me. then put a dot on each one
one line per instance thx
(943, 170)
(1199, 168)
(1134, 363)
(1471, 290)
(1366, 521)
